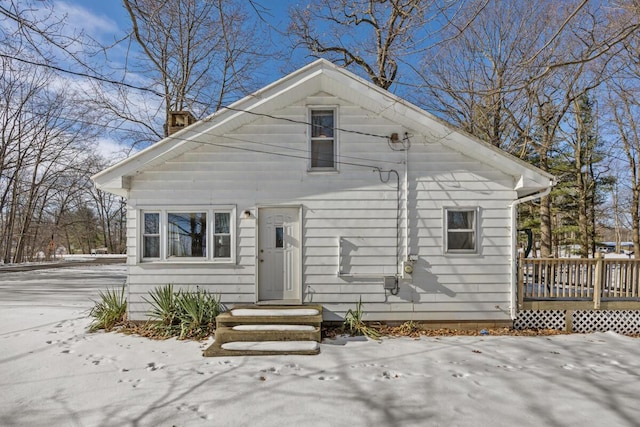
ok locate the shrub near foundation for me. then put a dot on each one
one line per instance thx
(109, 311)
(354, 325)
(197, 313)
(183, 314)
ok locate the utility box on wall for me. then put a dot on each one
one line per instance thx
(390, 283)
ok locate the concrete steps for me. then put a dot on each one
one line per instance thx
(258, 330)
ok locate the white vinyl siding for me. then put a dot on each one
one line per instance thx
(353, 204)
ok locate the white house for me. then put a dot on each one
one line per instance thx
(323, 188)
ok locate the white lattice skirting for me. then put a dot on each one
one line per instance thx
(580, 321)
(541, 319)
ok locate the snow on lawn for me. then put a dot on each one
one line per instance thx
(52, 372)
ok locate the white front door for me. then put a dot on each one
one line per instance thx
(279, 255)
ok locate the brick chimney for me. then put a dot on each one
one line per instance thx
(179, 120)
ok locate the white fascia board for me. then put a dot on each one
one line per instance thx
(119, 186)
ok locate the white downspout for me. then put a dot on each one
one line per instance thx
(514, 242)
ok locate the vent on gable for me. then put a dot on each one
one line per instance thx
(179, 120)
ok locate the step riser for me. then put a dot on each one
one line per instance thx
(225, 335)
(236, 320)
(220, 352)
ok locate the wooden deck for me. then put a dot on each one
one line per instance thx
(578, 284)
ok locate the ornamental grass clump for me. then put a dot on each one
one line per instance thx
(164, 310)
(183, 314)
(197, 313)
(109, 311)
(354, 325)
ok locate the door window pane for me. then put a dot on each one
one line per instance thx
(279, 237)
(187, 234)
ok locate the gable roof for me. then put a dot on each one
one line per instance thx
(322, 75)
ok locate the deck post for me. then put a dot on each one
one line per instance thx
(520, 281)
(568, 320)
(597, 280)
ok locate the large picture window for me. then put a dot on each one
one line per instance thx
(323, 142)
(461, 230)
(185, 234)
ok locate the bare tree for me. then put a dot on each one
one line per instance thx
(199, 53)
(475, 79)
(375, 36)
(42, 144)
(487, 80)
(623, 100)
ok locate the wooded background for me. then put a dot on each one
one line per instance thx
(554, 83)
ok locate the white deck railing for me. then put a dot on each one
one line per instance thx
(578, 279)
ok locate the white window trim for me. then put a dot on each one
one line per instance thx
(143, 234)
(445, 228)
(210, 211)
(336, 140)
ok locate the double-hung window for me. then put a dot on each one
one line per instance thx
(186, 234)
(461, 230)
(322, 145)
(151, 235)
(222, 235)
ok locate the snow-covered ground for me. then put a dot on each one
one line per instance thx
(53, 373)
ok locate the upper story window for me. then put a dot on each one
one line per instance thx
(322, 146)
(181, 234)
(461, 230)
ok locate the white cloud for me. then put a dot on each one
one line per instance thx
(79, 18)
(112, 150)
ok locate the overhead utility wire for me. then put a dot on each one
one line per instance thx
(253, 150)
(235, 138)
(306, 123)
(80, 74)
(146, 89)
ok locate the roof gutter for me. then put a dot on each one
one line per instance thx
(514, 241)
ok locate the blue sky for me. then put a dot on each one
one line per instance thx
(107, 21)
